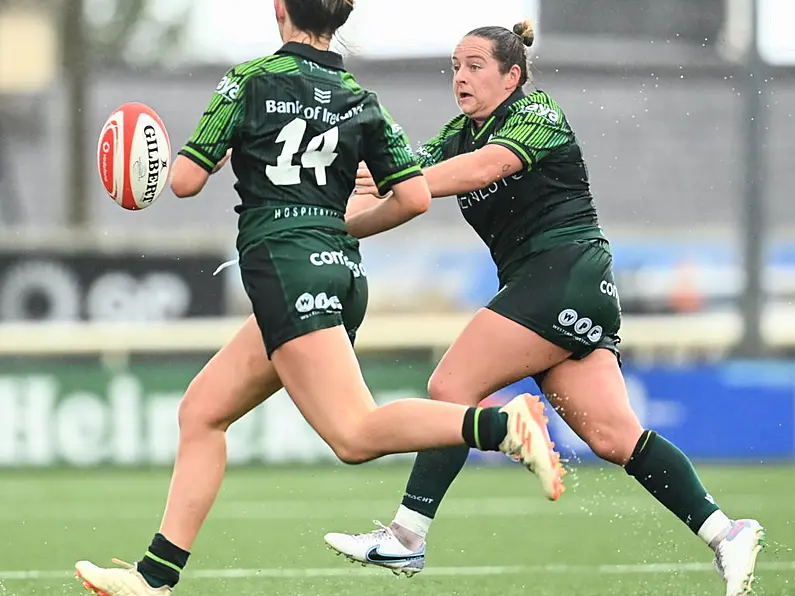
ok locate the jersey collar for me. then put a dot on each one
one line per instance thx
(324, 58)
(512, 98)
(497, 113)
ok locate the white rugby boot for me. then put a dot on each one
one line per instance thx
(381, 548)
(735, 556)
(116, 581)
(528, 441)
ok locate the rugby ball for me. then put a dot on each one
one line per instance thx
(134, 156)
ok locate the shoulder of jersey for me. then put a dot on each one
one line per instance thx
(535, 97)
(539, 104)
(231, 85)
(455, 125)
(274, 64)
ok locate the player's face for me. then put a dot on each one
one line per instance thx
(478, 84)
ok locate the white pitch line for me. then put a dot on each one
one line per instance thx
(344, 570)
(628, 507)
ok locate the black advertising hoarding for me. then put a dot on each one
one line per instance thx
(120, 286)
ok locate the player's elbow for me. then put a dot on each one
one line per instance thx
(413, 195)
(487, 174)
(187, 178)
(482, 178)
(184, 188)
(491, 164)
(421, 203)
(421, 197)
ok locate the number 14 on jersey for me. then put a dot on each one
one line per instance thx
(320, 154)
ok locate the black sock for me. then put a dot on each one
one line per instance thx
(669, 476)
(162, 563)
(485, 428)
(431, 476)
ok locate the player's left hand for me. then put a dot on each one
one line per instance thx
(365, 185)
(223, 161)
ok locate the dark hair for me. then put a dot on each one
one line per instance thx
(509, 47)
(320, 18)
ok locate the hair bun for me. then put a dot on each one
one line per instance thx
(525, 31)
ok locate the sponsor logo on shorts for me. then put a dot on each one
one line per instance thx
(567, 317)
(609, 288)
(308, 303)
(336, 257)
(595, 334)
(570, 318)
(582, 325)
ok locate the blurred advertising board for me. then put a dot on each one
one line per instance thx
(652, 277)
(45, 285)
(733, 411)
(83, 413)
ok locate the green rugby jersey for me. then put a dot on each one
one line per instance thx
(546, 203)
(298, 125)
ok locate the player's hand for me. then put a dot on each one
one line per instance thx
(365, 185)
(223, 161)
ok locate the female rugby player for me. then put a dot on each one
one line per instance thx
(518, 172)
(298, 125)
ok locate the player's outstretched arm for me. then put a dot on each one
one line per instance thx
(188, 178)
(409, 199)
(472, 171)
(461, 174)
(526, 138)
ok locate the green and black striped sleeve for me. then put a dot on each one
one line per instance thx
(387, 150)
(219, 123)
(534, 131)
(433, 151)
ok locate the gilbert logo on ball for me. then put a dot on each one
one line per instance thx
(134, 156)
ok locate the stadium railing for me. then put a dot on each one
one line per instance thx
(705, 334)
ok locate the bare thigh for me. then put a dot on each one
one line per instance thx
(322, 376)
(491, 353)
(590, 395)
(314, 387)
(236, 380)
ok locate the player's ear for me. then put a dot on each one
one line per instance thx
(513, 77)
(278, 7)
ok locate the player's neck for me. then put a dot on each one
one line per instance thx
(298, 36)
(481, 119)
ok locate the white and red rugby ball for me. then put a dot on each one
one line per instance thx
(134, 156)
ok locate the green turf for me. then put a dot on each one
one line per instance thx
(494, 525)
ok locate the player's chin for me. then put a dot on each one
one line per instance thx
(467, 104)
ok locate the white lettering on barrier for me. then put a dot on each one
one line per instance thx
(41, 425)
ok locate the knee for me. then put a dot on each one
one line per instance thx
(442, 387)
(351, 451)
(614, 444)
(196, 416)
